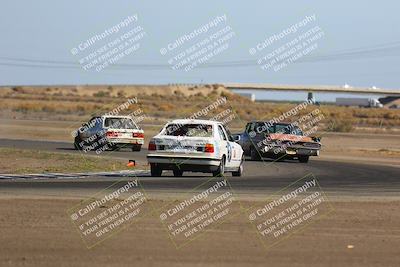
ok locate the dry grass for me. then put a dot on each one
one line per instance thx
(166, 102)
(36, 161)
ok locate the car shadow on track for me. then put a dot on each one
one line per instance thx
(65, 148)
(269, 160)
(94, 151)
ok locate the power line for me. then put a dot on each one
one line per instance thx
(380, 50)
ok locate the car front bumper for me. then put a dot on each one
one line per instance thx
(291, 151)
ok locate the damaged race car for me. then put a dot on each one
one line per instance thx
(195, 146)
(277, 141)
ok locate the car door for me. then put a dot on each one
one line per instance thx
(235, 151)
(246, 141)
(251, 137)
(97, 129)
(223, 144)
(260, 132)
(230, 149)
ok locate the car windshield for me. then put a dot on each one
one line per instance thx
(263, 127)
(287, 129)
(189, 130)
(120, 123)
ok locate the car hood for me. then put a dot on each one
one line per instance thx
(290, 137)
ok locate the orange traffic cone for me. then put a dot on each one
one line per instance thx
(131, 163)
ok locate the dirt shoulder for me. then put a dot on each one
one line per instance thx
(381, 149)
(37, 232)
(17, 161)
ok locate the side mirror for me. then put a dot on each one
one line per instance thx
(236, 137)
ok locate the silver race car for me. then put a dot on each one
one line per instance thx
(109, 132)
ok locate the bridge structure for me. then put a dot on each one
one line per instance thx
(313, 88)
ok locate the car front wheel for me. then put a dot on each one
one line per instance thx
(304, 159)
(254, 154)
(177, 173)
(78, 143)
(239, 172)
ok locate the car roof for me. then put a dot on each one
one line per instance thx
(282, 123)
(190, 121)
(116, 116)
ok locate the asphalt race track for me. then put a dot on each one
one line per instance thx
(263, 177)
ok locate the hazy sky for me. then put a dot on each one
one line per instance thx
(360, 46)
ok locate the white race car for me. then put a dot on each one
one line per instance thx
(196, 146)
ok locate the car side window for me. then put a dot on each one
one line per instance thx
(222, 135)
(228, 133)
(297, 131)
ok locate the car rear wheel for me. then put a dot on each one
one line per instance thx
(155, 171)
(177, 173)
(221, 168)
(254, 154)
(136, 147)
(304, 159)
(95, 144)
(115, 148)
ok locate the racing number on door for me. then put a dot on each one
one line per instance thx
(226, 143)
(229, 147)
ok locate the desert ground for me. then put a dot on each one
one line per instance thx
(358, 171)
(36, 231)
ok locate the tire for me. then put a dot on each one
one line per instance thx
(304, 159)
(95, 143)
(239, 172)
(254, 154)
(155, 171)
(136, 147)
(110, 147)
(177, 173)
(221, 168)
(77, 142)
